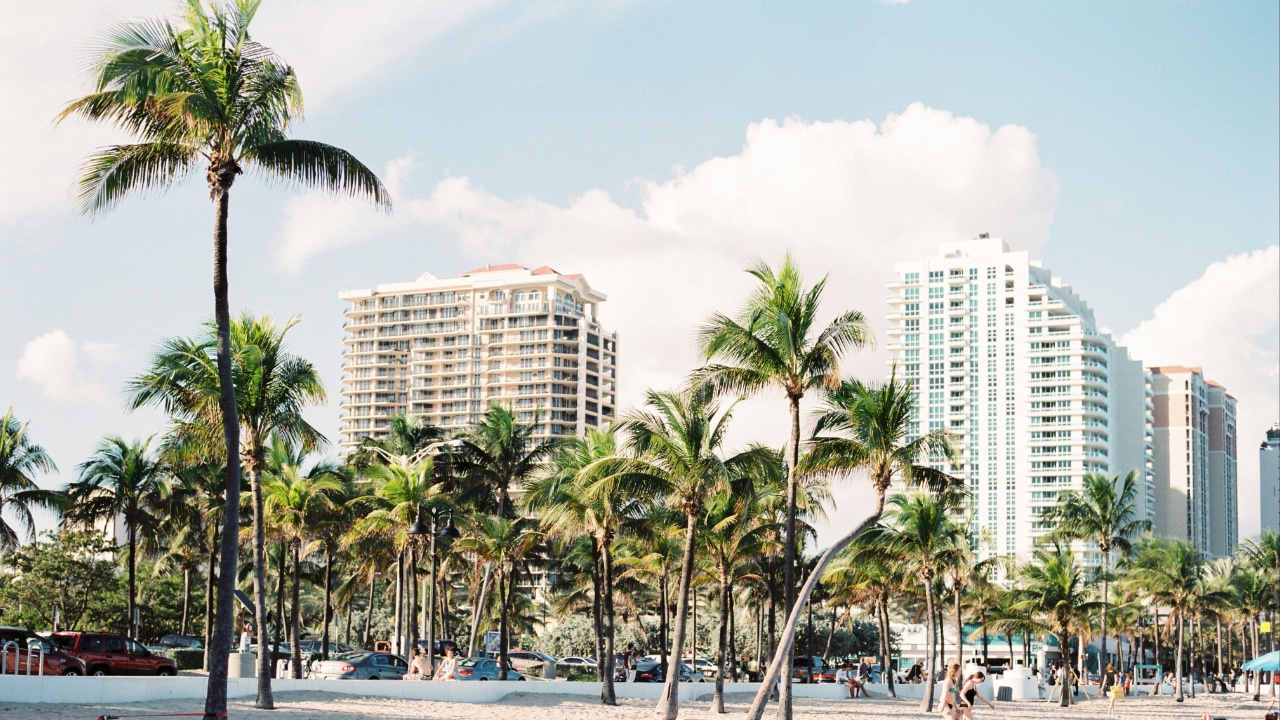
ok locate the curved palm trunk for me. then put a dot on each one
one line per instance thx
(789, 571)
(717, 700)
(368, 613)
(186, 600)
(1177, 665)
(481, 597)
(215, 700)
(295, 617)
(265, 700)
(932, 645)
(669, 703)
(608, 693)
(782, 653)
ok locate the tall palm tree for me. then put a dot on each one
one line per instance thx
(121, 480)
(506, 544)
(1172, 574)
(20, 461)
(863, 428)
(867, 572)
(296, 500)
(271, 387)
(920, 532)
(677, 439)
(1053, 589)
(1104, 511)
(199, 93)
(775, 343)
(498, 452)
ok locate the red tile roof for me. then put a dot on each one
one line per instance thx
(496, 268)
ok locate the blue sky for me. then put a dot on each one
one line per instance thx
(1130, 145)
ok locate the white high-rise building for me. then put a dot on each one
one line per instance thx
(446, 348)
(1011, 361)
(1195, 430)
(1260, 505)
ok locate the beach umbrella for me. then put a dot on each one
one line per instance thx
(1269, 662)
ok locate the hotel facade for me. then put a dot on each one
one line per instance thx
(1011, 361)
(446, 348)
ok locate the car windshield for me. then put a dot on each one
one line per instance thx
(469, 662)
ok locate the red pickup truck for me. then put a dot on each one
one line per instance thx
(111, 654)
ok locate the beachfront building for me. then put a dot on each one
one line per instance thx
(1196, 494)
(446, 348)
(1011, 360)
(1259, 499)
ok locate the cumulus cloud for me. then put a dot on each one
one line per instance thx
(845, 198)
(1226, 321)
(53, 362)
(55, 35)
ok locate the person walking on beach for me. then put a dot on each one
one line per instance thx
(448, 666)
(246, 638)
(953, 704)
(969, 692)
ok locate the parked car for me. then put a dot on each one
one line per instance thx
(522, 659)
(361, 665)
(646, 671)
(441, 646)
(807, 668)
(185, 642)
(27, 655)
(483, 669)
(577, 660)
(312, 648)
(112, 654)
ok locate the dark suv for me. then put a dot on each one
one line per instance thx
(806, 668)
(192, 642)
(111, 654)
(27, 654)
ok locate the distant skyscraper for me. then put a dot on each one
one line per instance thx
(1195, 460)
(446, 348)
(1011, 361)
(1260, 505)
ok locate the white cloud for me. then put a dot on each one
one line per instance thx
(1226, 322)
(333, 44)
(52, 362)
(846, 198)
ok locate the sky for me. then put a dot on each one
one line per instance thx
(660, 148)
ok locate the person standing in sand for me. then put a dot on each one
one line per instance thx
(246, 638)
(448, 666)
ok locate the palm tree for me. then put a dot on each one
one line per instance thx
(121, 480)
(1053, 589)
(498, 452)
(1104, 511)
(774, 343)
(271, 387)
(868, 572)
(506, 544)
(296, 500)
(202, 92)
(20, 461)
(676, 439)
(1171, 573)
(862, 428)
(921, 533)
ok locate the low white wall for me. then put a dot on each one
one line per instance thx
(111, 690)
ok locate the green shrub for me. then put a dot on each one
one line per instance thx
(582, 677)
(186, 658)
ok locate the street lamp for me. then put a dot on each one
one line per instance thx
(448, 532)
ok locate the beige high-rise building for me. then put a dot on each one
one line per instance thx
(1195, 460)
(446, 348)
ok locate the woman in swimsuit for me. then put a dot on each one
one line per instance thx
(970, 693)
(953, 704)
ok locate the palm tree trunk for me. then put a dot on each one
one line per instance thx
(717, 699)
(597, 613)
(186, 600)
(397, 629)
(368, 614)
(1106, 569)
(831, 634)
(887, 670)
(931, 645)
(1064, 676)
(282, 623)
(131, 622)
(1177, 664)
(208, 596)
(476, 611)
(265, 700)
(606, 561)
(215, 699)
(789, 571)
(411, 611)
(503, 580)
(431, 604)
(328, 598)
(733, 634)
(295, 617)
(664, 626)
(669, 703)
(781, 655)
(959, 628)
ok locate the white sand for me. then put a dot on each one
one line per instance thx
(325, 706)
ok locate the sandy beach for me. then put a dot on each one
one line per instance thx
(299, 706)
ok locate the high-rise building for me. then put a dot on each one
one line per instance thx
(446, 348)
(1011, 361)
(1260, 506)
(1195, 458)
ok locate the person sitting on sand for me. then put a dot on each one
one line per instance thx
(448, 666)
(420, 668)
